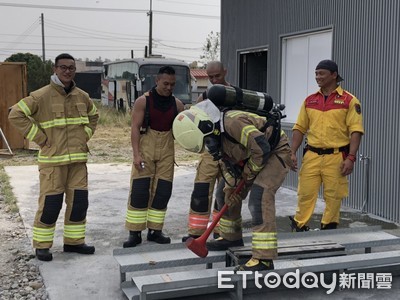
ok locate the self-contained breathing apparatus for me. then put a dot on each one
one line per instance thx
(228, 98)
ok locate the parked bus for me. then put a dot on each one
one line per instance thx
(125, 80)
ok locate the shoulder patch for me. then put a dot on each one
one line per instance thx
(358, 108)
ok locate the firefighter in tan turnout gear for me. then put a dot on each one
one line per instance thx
(60, 118)
(153, 160)
(252, 149)
(207, 173)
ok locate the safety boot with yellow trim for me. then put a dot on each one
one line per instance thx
(255, 264)
(221, 244)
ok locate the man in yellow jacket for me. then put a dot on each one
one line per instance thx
(332, 120)
(60, 118)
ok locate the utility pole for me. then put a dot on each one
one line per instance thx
(43, 50)
(150, 14)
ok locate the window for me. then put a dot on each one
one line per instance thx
(253, 70)
(300, 55)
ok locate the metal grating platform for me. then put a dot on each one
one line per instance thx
(185, 283)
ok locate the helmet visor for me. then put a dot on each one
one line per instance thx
(206, 127)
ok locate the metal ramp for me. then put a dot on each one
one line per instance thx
(157, 269)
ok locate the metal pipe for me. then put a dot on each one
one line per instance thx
(366, 186)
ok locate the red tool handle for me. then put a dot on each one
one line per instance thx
(218, 216)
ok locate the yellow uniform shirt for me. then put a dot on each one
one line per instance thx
(329, 123)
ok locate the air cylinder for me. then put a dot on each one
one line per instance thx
(234, 97)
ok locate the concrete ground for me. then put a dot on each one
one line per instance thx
(73, 276)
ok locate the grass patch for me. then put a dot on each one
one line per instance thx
(111, 117)
(6, 191)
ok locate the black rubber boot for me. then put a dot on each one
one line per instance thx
(44, 254)
(82, 248)
(295, 228)
(134, 239)
(332, 225)
(221, 244)
(256, 265)
(158, 237)
(186, 237)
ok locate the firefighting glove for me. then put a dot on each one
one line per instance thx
(248, 176)
(233, 198)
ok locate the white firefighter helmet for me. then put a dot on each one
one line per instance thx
(190, 127)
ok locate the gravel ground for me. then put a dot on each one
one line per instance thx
(19, 273)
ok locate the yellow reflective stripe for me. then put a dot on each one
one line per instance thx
(80, 120)
(235, 113)
(156, 216)
(43, 234)
(62, 158)
(32, 133)
(53, 123)
(264, 245)
(253, 166)
(93, 111)
(136, 216)
(88, 131)
(22, 105)
(245, 134)
(75, 231)
(63, 122)
(264, 240)
(229, 226)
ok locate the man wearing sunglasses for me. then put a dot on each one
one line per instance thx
(60, 118)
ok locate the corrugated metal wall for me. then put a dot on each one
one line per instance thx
(366, 46)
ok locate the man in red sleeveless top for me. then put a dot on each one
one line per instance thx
(153, 160)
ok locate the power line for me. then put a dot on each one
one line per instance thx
(20, 38)
(57, 23)
(74, 8)
(177, 47)
(113, 40)
(185, 15)
(188, 3)
(117, 10)
(37, 49)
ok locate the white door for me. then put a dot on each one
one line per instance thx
(300, 56)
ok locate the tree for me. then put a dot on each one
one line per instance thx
(211, 48)
(38, 72)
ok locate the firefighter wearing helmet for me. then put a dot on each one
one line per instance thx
(242, 141)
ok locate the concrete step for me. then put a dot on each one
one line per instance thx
(160, 286)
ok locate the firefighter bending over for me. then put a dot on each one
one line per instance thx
(242, 140)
